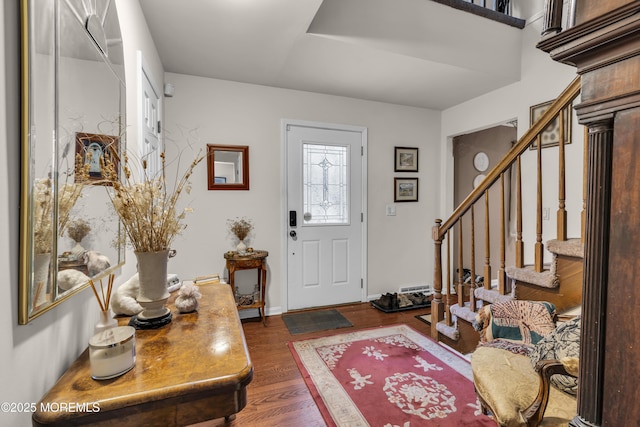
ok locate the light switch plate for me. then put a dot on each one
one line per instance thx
(391, 210)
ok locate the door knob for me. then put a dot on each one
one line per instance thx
(292, 233)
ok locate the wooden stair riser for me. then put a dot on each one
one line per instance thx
(468, 340)
(566, 296)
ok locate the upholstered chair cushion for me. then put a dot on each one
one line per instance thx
(563, 342)
(508, 384)
(519, 321)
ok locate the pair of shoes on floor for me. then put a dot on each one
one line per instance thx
(466, 276)
(388, 301)
(404, 301)
(418, 298)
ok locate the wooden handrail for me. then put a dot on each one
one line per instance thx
(565, 98)
(440, 309)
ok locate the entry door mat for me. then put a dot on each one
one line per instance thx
(426, 318)
(388, 376)
(314, 321)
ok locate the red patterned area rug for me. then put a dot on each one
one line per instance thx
(388, 377)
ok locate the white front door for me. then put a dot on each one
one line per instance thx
(325, 214)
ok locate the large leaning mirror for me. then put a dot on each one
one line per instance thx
(73, 116)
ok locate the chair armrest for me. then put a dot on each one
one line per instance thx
(545, 368)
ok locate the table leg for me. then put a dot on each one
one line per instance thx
(263, 285)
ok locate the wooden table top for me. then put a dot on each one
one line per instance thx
(200, 353)
(235, 256)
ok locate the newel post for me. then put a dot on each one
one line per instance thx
(552, 23)
(591, 392)
(437, 306)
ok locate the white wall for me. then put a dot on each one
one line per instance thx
(399, 250)
(542, 80)
(33, 356)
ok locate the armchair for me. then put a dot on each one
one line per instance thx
(527, 378)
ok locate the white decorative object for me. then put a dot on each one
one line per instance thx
(481, 161)
(96, 262)
(78, 251)
(478, 179)
(70, 278)
(124, 299)
(187, 300)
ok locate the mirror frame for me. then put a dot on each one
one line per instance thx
(211, 150)
(26, 312)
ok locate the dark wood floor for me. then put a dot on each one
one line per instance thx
(278, 396)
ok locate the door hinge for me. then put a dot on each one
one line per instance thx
(362, 150)
(361, 283)
(361, 216)
(159, 126)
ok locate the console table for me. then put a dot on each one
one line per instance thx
(194, 369)
(249, 261)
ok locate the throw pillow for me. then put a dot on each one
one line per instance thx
(564, 341)
(519, 321)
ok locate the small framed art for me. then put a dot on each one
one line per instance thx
(406, 159)
(95, 150)
(550, 137)
(405, 190)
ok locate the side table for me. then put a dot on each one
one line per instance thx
(194, 369)
(249, 261)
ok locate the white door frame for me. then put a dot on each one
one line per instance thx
(143, 72)
(284, 224)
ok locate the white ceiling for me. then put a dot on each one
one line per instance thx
(409, 52)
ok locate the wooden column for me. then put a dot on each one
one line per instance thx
(596, 249)
(436, 304)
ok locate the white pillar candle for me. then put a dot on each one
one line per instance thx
(112, 352)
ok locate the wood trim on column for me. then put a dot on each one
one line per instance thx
(596, 256)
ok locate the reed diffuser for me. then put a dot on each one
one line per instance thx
(104, 297)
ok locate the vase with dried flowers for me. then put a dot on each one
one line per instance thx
(78, 230)
(150, 215)
(44, 204)
(240, 227)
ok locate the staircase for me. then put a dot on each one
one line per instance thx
(458, 296)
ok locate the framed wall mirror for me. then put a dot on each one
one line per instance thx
(228, 167)
(72, 86)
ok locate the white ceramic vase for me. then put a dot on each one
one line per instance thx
(153, 293)
(78, 251)
(242, 247)
(40, 289)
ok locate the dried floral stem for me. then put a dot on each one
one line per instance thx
(240, 227)
(148, 209)
(67, 194)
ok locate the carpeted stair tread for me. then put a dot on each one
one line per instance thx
(544, 279)
(569, 247)
(492, 295)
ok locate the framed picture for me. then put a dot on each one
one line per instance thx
(405, 190)
(94, 150)
(551, 135)
(406, 159)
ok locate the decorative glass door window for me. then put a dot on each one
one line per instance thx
(325, 184)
